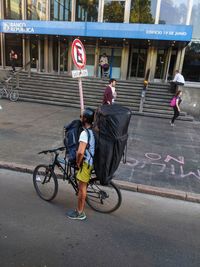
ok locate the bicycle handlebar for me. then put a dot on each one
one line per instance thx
(52, 150)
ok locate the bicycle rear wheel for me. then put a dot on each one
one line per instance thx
(45, 182)
(104, 199)
(14, 95)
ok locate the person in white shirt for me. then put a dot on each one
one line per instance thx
(84, 162)
(178, 80)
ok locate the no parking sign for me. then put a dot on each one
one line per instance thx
(78, 54)
(79, 59)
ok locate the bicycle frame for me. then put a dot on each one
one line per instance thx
(68, 171)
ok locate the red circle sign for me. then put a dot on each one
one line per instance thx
(78, 54)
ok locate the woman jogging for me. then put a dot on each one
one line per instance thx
(176, 107)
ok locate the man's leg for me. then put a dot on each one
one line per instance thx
(173, 87)
(13, 65)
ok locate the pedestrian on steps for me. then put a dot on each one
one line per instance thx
(176, 108)
(178, 80)
(110, 93)
(13, 59)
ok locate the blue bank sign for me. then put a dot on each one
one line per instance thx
(96, 29)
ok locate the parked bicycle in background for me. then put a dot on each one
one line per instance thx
(9, 91)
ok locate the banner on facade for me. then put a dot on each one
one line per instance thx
(99, 29)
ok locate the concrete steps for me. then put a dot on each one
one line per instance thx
(62, 90)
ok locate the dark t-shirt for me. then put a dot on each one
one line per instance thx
(179, 100)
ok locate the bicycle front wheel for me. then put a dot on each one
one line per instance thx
(45, 182)
(104, 199)
(14, 95)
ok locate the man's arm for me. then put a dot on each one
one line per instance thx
(175, 78)
(80, 153)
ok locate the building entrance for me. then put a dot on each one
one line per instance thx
(114, 55)
(138, 63)
(165, 64)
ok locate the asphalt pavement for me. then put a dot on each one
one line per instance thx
(146, 231)
(161, 159)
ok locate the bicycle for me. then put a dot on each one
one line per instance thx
(104, 199)
(11, 94)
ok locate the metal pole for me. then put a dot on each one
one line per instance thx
(17, 80)
(29, 69)
(81, 94)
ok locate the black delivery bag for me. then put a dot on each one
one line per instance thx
(111, 131)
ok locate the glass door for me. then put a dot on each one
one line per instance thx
(161, 64)
(90, 52)
(114, 55)
(138, 62)
(56, 47)
(172, 64)
(34, 52)
(63, 56)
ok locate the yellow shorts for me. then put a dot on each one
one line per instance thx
(84, 173)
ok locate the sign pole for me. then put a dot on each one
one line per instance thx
(79, 59)
(81, 94)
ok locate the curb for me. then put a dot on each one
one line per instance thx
(147, 189)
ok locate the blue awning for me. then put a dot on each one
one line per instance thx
(97, 29)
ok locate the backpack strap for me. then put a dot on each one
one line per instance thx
(88, 144)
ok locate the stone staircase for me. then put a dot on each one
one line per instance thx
(62, 90)
(157, 102)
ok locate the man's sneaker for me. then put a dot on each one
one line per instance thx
(75, 215)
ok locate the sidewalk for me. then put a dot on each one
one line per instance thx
(161, 159)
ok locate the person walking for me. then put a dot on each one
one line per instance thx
(176, 107)
(13, 59)
(110, 93)
(84, 162)
(178, 80)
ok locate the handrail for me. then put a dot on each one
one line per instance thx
(16, 74)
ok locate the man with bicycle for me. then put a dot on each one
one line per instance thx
(84, 162)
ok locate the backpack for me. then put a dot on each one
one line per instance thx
(111, 134)
(72, 132)
(173, 102)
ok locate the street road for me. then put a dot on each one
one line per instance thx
(145, 231)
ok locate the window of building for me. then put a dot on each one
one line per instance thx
(36, 9)
(87, 10)
(143, 11)
(61, 10)
(14, 42)
(173, 12)
(191, 64)
(113, 11)
(195, 19)
(13, 9)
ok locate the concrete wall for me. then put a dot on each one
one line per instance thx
(191, 99)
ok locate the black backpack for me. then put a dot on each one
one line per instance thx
(72, 132)
(111, 135)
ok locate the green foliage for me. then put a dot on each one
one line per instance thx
(114, 12)
(141, 12)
